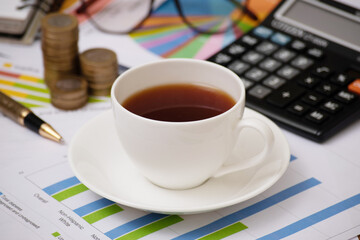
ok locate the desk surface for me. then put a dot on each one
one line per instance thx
(317, 198)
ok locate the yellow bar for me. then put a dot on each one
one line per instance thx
(30, 78)
(13, 93)
(67, 4)
(5, 82)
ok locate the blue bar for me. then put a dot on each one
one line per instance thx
(134, 224)
(168, 46)
(292, 158)
(1, 193)
(91, 207)
(229, 38)
(251, 210)
(57, 187)
(314, 218)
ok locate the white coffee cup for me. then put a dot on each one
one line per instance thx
(182, 155)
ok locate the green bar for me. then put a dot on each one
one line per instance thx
(56, 234)
(191, 49)
(225, 232)
(94, 100)
(152, 227)
(147, 37)
(32, 88)
(70, 192)
(155, 32)
(30, 105)
(37, 98)
(245, 27)
(102, 213)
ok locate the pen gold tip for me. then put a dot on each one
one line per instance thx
(48, 132)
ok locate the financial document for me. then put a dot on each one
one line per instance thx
(41, 198)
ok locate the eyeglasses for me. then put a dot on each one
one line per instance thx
(42, 5)
(203, 16)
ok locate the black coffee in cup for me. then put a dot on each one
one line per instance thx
(179, 102)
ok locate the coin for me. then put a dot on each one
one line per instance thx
(100, 92)
(100, 68)
(69, 104)
(59, 44)
(59, 22)
(98, 57)
(51, 76)
(69, 87)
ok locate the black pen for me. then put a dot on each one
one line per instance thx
(27, 118)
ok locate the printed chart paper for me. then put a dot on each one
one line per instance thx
(317, 198)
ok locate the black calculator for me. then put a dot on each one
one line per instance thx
(301, 66)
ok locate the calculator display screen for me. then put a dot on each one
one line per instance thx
(323, 20)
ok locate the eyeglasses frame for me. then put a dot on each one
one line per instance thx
(244, 9)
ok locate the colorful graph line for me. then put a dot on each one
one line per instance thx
(28, 90)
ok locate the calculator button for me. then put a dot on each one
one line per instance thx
(221, 58)
(247, 83)
(317, 116)
(266, 48)
(315, 53)
(312, 99)
(298, 108)
(284, 55)
(285, 96)
(236, 49)
(249, 40)
(270, 64)
(345, 96)
(274, 82)
(327, 88)
(355, 86)
(332, 106)
(322, 71)
(298, 45)
(340, 79)
(252, 57)
(262, 32)
(302, 62)
(287, 72)
(259, 91)
(255, 74)
(280, 39)
(309, 81)
(238, 67)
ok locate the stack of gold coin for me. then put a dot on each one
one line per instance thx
(59, 46)
(100, 68)
(69, 92)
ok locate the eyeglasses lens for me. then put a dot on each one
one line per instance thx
(211, 15)
(120, 16)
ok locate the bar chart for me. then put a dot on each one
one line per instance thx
(95, 209)
(121, 222)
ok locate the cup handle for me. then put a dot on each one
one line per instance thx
(268, 136)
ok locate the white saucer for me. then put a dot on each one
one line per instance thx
(100, 163)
